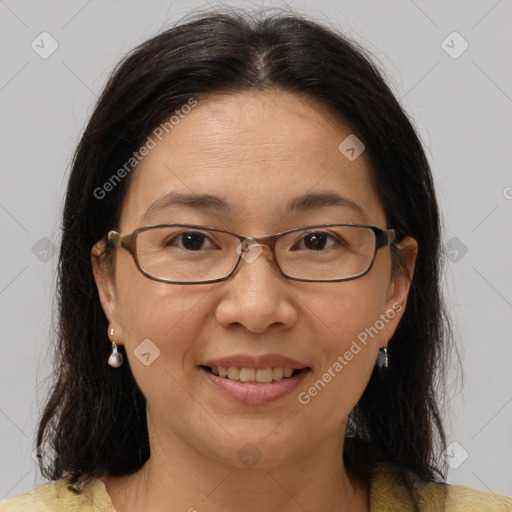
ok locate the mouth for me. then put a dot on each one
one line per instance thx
(253, 386)
(254, 375)
(254, 379)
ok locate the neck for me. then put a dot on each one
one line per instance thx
(182, 477)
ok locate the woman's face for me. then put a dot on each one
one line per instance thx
(256, 152)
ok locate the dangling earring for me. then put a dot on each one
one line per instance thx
(115, 359)
(383, 357)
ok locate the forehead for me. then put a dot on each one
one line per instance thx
(256, 151)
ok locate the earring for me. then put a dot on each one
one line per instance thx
(383, 357)
(115, 359)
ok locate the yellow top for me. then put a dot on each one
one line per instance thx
(386, 495)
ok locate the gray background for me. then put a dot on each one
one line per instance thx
(462, 108)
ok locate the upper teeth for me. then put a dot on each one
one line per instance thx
(263, 375)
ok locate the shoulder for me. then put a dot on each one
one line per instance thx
(389, 494)
(57, 497)
(470, 500)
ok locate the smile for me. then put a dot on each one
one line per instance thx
(252, 386)
(261, 375)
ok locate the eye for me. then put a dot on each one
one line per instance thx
(191, 241)
(316, 241)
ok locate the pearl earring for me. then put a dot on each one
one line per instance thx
(115, 359)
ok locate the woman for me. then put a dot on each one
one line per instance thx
(250, 310)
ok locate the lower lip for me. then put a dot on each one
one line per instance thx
(252, 393)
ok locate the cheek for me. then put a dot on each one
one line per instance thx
(346, 320)
(344, 312)
(349, 343)
(158, 319)
(164, 321)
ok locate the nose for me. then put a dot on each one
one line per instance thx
(257, 296)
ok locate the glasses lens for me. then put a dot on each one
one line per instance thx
(186, 254)
(326, 253)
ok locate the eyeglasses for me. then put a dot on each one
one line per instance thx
(190, 254)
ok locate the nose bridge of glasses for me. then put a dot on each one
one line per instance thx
(250, 248)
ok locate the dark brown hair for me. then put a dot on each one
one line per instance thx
(95, 418)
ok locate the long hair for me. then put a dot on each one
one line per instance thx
(95, 420)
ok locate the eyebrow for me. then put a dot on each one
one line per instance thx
(199, 201)
(313, 201)
(306, 202)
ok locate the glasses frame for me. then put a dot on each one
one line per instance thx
(128, 242)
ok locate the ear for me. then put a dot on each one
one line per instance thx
(104, 277)
(398, 289)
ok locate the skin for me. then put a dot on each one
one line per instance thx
(256, 150)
